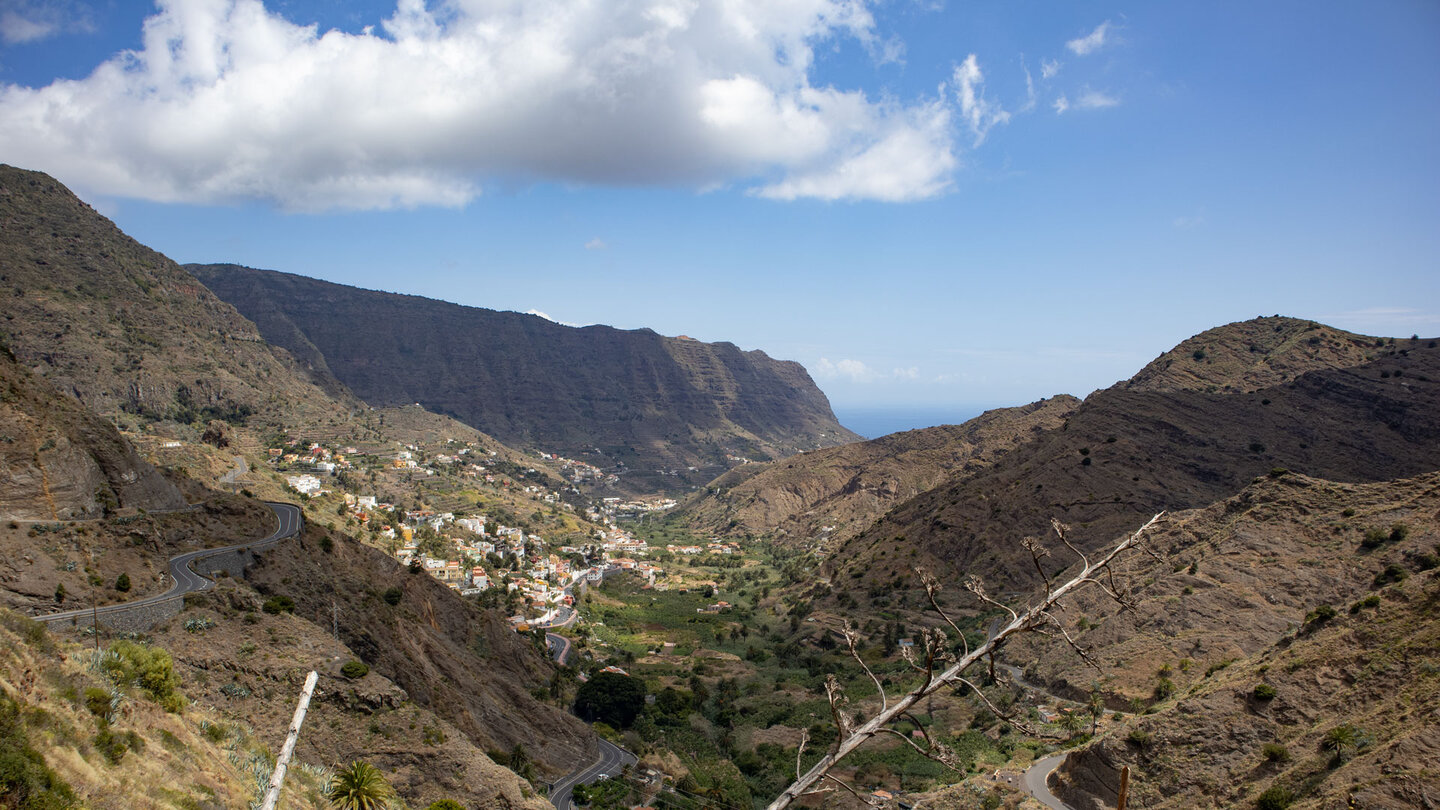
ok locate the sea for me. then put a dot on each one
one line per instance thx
(872, 423)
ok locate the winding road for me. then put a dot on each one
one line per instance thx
(289, 520)
(612, 759)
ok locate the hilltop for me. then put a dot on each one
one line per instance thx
(1125, 454)
(829, 495)
(647, 407)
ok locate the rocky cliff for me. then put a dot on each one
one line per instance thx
(646, 406)
(59, 461)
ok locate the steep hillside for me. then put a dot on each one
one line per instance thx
(463, 663)
(1311, 607)
(60, 461)
(125, 329)
(1125, 454)
(847, 488)
(650, 406)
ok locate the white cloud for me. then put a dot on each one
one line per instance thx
(1188, 222)
(1049, 68)
(857, 371)
(227, 101)
(596, 244)
(1088, 100)
(15, 28)
(977, 111)
(25, 21)
(1091, 42)
(537, 313)
(1095, 100)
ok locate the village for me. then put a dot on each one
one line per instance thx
(477, 554)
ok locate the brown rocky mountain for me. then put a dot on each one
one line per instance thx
(847, 488)
(59, 461)
(125, 329)
(1127, 453)
(1255, 354)
(1237, 601)
(651, 406)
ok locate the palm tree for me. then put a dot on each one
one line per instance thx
(1097, 709)
(1343, 740)
(359, 786)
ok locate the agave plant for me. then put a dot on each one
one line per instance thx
(359, 786)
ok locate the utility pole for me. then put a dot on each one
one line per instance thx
(277, 777)
(1124, 786)
(334, 619)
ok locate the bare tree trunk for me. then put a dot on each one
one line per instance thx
(277, 777)
(1039, 614)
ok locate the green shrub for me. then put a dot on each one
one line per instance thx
(1398, 532)
(113, 744)
(1425, 562)
(1392, 573)
(393, 596)
(1139, 736)
(448, 804)
(25, 781)
(1374, 538)
(97, 700)
(1264, 691)
(1276, 797)
(122, 583)
(1164, 688)
(276, 605)
(1320, 615)
(149, 668)
(1371, 601)
(355, 670)
(1275, 752)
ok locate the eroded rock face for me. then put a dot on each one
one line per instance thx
(606, 395)
(59, 461)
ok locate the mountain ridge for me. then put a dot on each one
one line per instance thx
(634, 401)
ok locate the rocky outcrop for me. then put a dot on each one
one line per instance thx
(59, 461)
(636, 402)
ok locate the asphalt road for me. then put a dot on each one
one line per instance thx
(612, 758)
(1037, 782)
(289, 521)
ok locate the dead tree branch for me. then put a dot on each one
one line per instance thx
(1032, 619)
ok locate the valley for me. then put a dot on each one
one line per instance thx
(538, 565)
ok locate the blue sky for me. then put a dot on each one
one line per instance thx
(933, 206)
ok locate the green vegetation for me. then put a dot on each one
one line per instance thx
(122, 583)
(1264, 691)
(393, 595)
(276, 605)
(1343, 741)
(1276, 797)
(1275, 752)
(359, 786)
(26, 782)
(149, 668)
(355, 670)
(611, 698)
